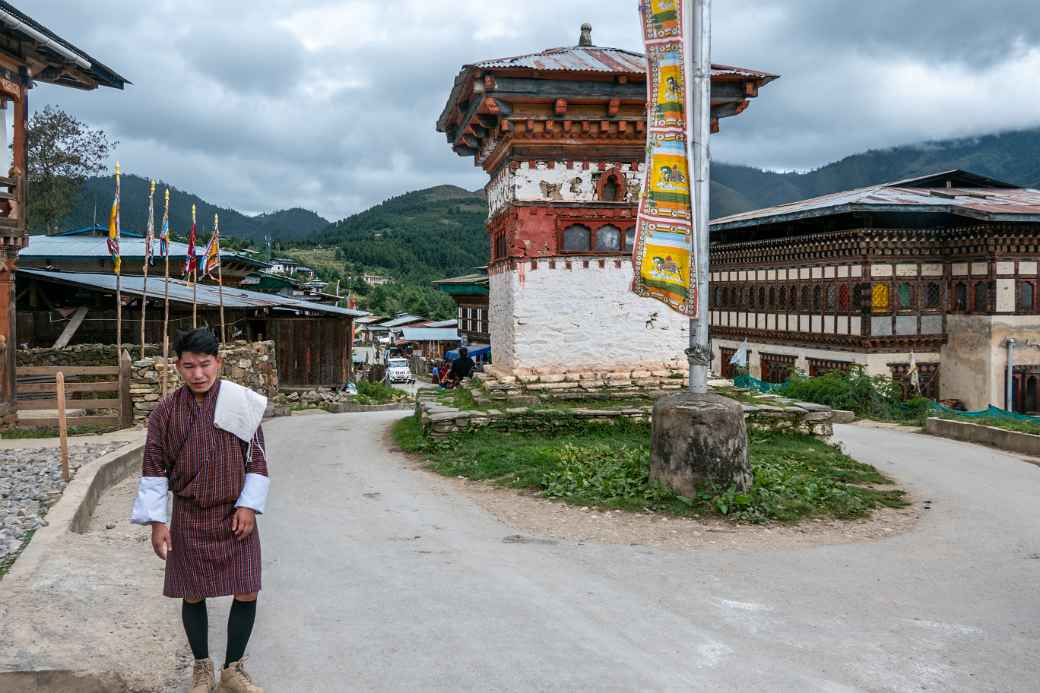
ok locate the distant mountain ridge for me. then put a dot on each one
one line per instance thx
(96, 199)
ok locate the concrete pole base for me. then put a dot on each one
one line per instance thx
(699, 441)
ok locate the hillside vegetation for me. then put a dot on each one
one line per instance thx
(96, 198)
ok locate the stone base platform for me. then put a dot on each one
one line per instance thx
(546, 384)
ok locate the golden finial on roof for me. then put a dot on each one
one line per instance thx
(586, 35)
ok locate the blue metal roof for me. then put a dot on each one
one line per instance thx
(181, 292)
(429, 334)
(73, 246)
(402, 320)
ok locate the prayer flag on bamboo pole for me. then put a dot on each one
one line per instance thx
(191, 260)
(213, 250)
(164, 233)
(663, 254)
(149, 238)
(113, 228)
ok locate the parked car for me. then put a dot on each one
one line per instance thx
(398, 371)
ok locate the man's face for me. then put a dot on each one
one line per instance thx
(199, 371)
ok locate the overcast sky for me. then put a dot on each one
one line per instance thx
(331, 104)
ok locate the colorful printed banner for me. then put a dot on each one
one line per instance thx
(149, 236)
(113, 229)
(164, 235)
(213, 250)
(662, 255)
(191, 260)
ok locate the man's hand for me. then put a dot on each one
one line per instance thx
(161, 542)
(243, 523)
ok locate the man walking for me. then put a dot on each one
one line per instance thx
(205, 445)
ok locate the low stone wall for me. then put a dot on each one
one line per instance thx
(579, 384)
(251, 364)
(438, 420)
(1012, 441)
(79, 355)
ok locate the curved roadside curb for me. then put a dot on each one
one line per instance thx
(74, 509)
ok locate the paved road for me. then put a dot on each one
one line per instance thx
(379, 577)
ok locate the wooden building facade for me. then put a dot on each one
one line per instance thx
(932, 274)
(30, 54)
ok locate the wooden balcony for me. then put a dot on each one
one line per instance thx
(12, 211)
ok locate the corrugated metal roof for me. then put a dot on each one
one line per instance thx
(54, 247)
(181, 292)
(402, 320)
(442, 323)
(428, 334)
(991, 203)
(464, 279)
(597, 59)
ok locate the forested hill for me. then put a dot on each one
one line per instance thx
(1013, 157)
(288, 224)
(419, 236)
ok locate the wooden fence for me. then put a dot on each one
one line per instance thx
(87, 388)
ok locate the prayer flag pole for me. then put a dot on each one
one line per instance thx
(193, 271)
(698, 129)
(113, 249)
(220, 277)
(149, 236)
(164, 247)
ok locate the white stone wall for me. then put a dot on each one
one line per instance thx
(975, 356)
(558, 183)
(545, 320)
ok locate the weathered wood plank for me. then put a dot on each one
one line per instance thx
(69, 387)
(45, 404)
(70, 330)
(72, 420)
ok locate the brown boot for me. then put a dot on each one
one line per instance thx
(202, 680)
(234, 679)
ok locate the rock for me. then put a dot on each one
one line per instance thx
(699, 441)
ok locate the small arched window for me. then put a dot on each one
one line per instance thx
(610, 189)
(772, 297)
(817, 298)
(782, 304)
(761, 297)
(832, 298)
(806, 298)
(608, 238)
(630, 238)
(905, 295)
(576, 238)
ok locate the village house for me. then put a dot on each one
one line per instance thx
(562, 136)
(431, 343)
(938, 271)
(312, 340)
(30, 54)
(470, 293)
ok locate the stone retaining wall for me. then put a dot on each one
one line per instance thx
(1012, 441)
(438, 420)
(80, 355)
(251, 364)
(580, 384)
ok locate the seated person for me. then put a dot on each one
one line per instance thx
(462, 366)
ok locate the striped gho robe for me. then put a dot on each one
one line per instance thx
(210, 472)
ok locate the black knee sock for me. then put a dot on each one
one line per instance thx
(196, 626)
(239, 628)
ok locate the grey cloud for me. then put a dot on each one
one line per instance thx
(230, 103)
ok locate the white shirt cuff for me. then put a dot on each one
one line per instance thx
(254, 493)
(150, 504)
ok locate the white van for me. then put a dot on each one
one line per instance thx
(398, 371)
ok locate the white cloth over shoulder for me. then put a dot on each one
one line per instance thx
(239, 410)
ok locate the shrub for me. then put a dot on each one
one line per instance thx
(873, 397)
(377, 393)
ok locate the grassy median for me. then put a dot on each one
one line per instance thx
(607, 466)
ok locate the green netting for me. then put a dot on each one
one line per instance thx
(990, 412)
(746, 382)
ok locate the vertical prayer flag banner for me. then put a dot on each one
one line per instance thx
(663, 251)
(191, 260)
(164, 235)
(213, 250)
(149, 237)
(113, 229)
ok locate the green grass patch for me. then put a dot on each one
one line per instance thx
(378, 393)
(608, 466)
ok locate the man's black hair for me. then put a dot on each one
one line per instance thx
(463, 352)
(200, 341)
